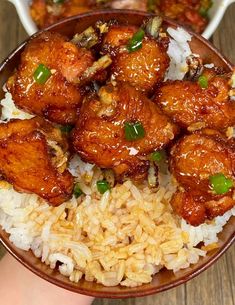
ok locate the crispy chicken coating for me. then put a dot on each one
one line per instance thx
(59, 97)
(99, 136)
(143, 68)
(196, 211)
(33, 159)
(190, 105)
(194, 160)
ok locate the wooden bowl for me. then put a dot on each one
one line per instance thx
(164, 279)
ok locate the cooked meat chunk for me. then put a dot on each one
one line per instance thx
(196, 161)
(187, 12)
(184, 204)
(198, 156)
(187, 103)
(57, 98)
(32, 159)
(196, 211)
(143, 68)
(100, 134)
(190, 13)
(45, 12)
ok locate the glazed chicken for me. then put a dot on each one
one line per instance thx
(190, 13)
(47, 12)
(143, 68)
(204, 102)
(104, 132)
(46, 82)
(33, 159)
(203, 163)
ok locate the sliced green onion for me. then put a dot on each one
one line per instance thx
(203, 81)
(204, 8)
(134, 131)
(66, 128)
(220, 184)
(156, 156)
(151, 5)
(203, 12)
(102, 186)
(160, 159)
(41, 74)
(58, 1)
(135, 43)
(77, 191)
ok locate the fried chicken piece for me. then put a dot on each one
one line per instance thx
(99, 136)
(186, 12)
(45, 12)
(198, 156)
(59, 97)
(33, 159)
(196, 211)
(143, 68)
(188, 104)
(194, 160)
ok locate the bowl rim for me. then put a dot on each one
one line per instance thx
(120, 294)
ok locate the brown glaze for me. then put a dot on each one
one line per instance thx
(29, 163)
(107, 146)
(59, 98)
(165, 279)
(144, 68)
(186, 103)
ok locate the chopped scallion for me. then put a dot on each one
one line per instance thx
(220, 184)
(58, 1)
(41, 74)
(77, 191)
(151, 5)
(204, 8)
(135, 43)
(156, 156)
(66, 128)
(203, 81)
(134, 131)
(102, 186)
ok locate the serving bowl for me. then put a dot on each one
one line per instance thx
(165, 279)
(215, 14)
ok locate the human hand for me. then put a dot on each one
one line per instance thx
(19, 286)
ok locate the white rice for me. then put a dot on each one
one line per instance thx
(10, 111)
(178, 52)
(124, 236)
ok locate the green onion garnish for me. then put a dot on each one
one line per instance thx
(220, 184)
(151, 5)
(156, 156)
(102, 186)
(135, 43)
(203, 81)
(203, 12)
(41, 74)
(58, 1)
(204, 8)
(134, 131)
(77, 191)
(66, 128)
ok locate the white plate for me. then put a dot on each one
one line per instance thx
(216, 13)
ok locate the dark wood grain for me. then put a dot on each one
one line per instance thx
(215, 286)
